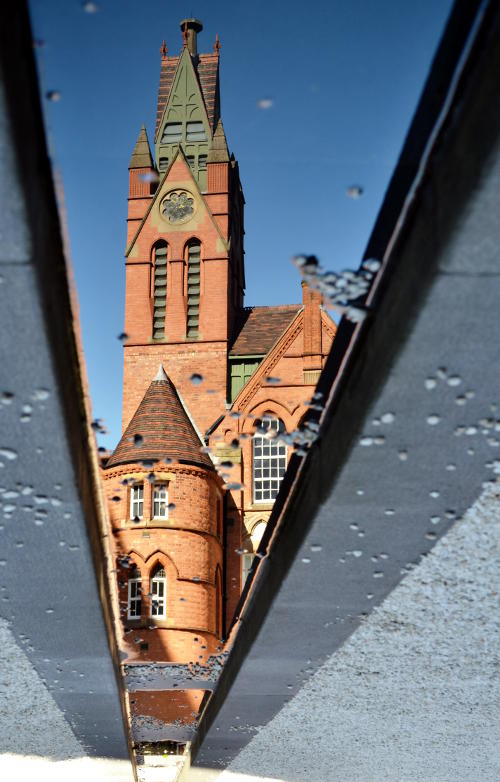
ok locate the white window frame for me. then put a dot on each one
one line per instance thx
(158, 600)
(246, 564)
(160, 503)
(268, 455)
(137, 502)
(134, 597)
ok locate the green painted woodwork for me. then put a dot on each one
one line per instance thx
(185, 122)
(241, 370)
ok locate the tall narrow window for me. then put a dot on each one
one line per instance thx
(193, 291)
(159, 593)
(160, 290)
(160, 501)
(134, 595)
(269, 460)
(136, 501)
(246, 565)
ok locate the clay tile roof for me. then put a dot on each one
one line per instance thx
(167, 73)
(258, 328)
(164, 426)
(208, 75)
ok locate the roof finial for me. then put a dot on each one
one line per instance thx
(160, 375)
(217, 44)
(185, 35)
(163, 50)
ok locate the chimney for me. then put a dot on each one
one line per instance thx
(192, 27)
(312, 353)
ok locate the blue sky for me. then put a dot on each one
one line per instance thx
(343, 76)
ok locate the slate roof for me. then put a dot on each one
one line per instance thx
(164, 426)
(206, 67)
(258, 328)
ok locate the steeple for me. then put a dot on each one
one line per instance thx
(141, 156)
(188, 103)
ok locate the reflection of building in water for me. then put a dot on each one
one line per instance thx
(200, 369)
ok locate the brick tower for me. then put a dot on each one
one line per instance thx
(211, 392)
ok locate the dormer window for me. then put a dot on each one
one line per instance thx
(195, 131)
(172, 133)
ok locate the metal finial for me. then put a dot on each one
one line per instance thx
(160, 375)
(163, 49)
(217, 44)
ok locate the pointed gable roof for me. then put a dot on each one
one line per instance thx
(160, 192)
(141, 156)
(206, 69)
(160, 428)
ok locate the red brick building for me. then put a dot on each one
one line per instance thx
(208, 385)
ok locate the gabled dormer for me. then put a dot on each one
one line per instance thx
(188, 104)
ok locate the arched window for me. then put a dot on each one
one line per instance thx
(159, 593)
(193, 288)
(159, 289)
(269, 459)
(134, 602)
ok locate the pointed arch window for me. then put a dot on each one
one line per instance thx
(159, 289)
(159, 593)
(134, 602)
(193, 288)
(269, 459)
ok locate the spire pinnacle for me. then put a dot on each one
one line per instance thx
(163, 50)
(219, 152)
(185, 35)
(217, 44)
(160, 375)
(141, 156)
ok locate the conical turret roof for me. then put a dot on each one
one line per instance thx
(141, 156)
(160, 428)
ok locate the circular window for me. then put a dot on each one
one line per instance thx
(178, 206)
